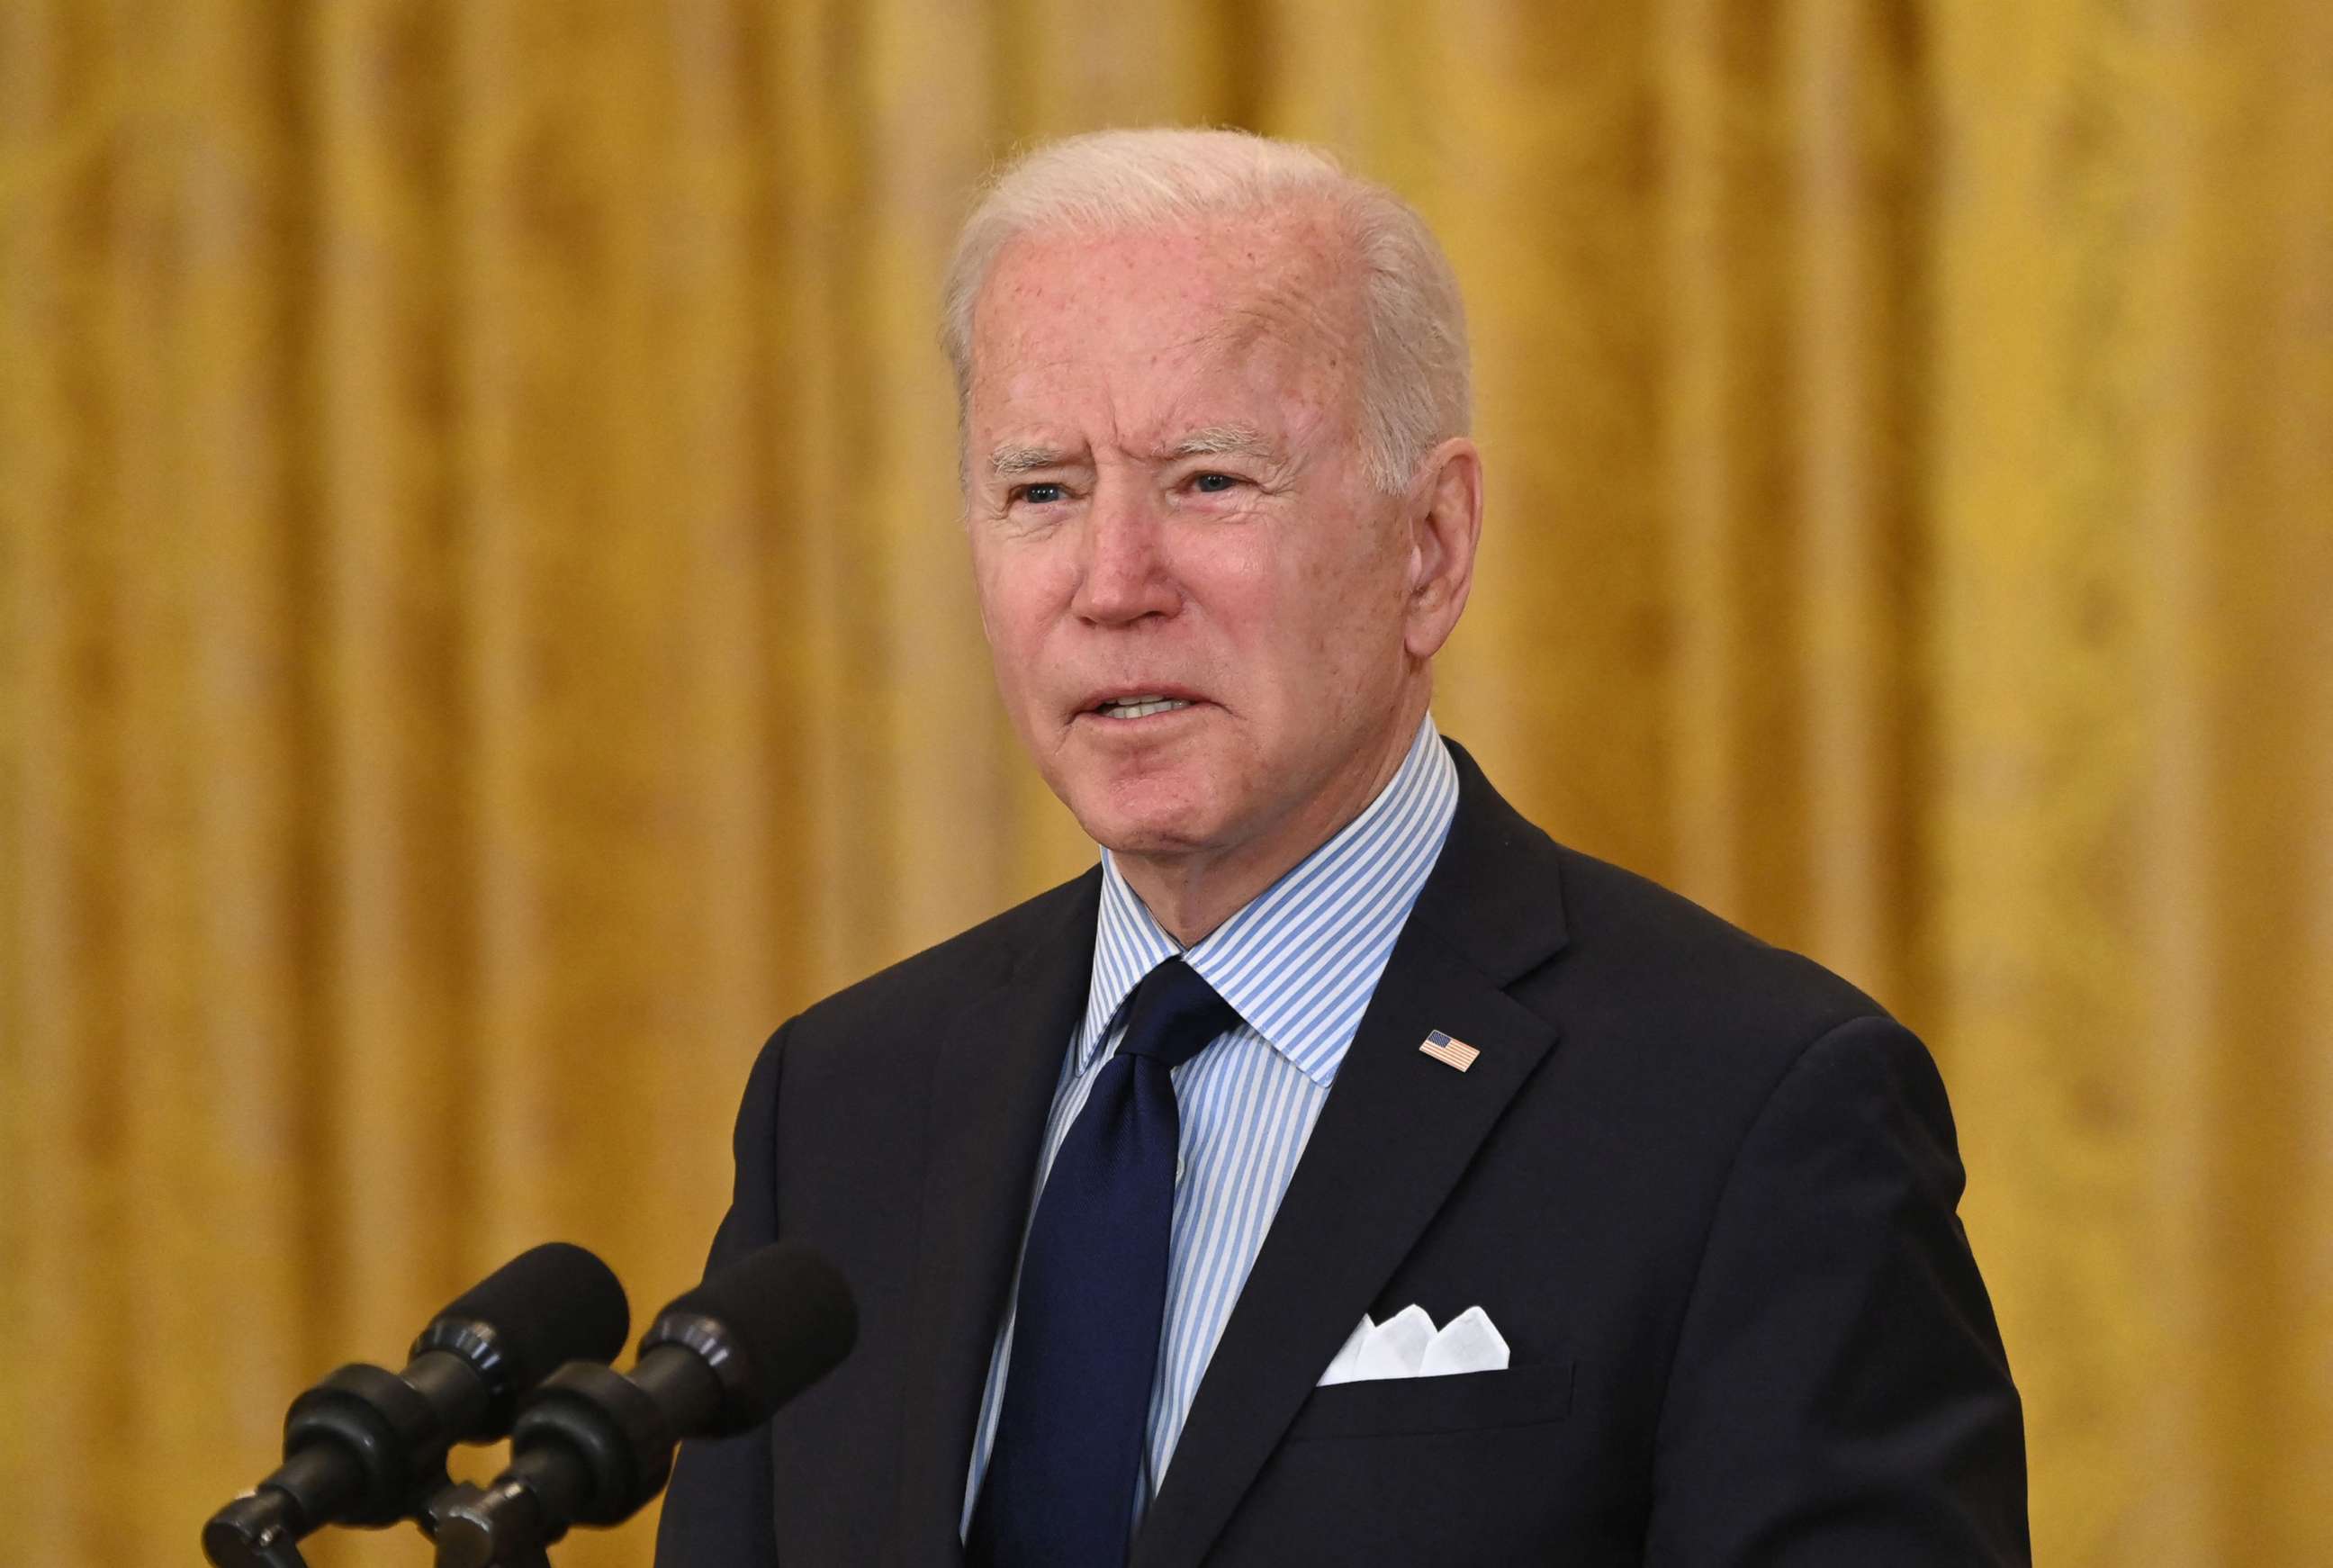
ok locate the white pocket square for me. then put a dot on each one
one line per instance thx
(1408, 1345)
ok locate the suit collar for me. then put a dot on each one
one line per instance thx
(1497, 893)
(1396, 1134)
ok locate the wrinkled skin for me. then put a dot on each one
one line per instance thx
(1166, 497)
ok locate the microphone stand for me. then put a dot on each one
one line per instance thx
(282, 1554)
(250, 1533)
(473, 1543)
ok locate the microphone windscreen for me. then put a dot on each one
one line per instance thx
(549, 1305)
(789, 1311)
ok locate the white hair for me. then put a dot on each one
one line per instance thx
(1416, 383)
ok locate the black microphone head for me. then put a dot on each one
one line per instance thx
(769, 1324)
(549, 1305)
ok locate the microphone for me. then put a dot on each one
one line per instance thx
(593, 1445)
(368, 1447)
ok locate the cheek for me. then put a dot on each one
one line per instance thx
(1352, 636)
(1340, 602)
(1015, 599)
(1022, 606)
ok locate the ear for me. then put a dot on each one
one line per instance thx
(1444, 520)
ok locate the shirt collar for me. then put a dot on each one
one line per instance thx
(1298, 961)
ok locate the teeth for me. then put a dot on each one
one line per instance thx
(1141, 707)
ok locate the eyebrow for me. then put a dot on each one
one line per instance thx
(1009, 460)
(1013, 459)
(1222, 441)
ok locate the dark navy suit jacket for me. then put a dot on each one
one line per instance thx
(1706, 1189)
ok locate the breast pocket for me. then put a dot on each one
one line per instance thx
(1525, 1396)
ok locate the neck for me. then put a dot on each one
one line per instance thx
(1191, 894)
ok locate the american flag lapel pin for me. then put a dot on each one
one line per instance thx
(1448, 1052)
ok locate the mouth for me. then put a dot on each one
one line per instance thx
(1135, 706)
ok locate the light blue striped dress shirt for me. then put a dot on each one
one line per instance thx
(1299, 964)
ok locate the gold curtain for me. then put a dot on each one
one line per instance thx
(483, 635)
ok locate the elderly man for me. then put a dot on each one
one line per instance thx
(1342, 1172)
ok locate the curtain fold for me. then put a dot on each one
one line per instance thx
(483, 634)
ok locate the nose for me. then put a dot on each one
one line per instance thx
(1123, 576)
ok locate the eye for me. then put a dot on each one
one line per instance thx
(1213, 484)
(1039, 495)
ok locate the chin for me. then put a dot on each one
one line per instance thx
(1144, 819)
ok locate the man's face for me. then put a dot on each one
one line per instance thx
(1168, 500)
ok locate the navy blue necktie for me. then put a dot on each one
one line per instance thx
(1060, 1488)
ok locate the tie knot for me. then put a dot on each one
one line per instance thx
(1174, 1014)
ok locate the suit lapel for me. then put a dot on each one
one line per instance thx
(1398, 1130)
(993, 1084)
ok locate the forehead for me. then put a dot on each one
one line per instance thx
(1267, 303)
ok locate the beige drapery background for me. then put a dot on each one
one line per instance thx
(483, 636)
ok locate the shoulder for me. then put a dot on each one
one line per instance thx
(1659, 956)
(899, 1005)
(1614, 949)
(1660, 1005)
(1686, 1031)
